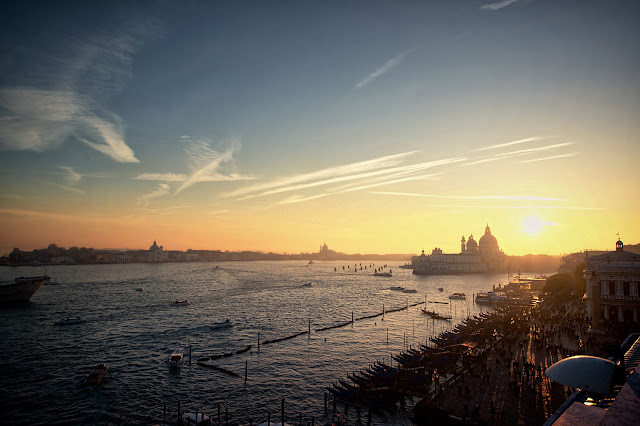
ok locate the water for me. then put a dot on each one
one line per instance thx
(44, 365)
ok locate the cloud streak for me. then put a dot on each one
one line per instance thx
(473, 197)
(498, 5)
(71, 176)
(502, 145)
(385, 68)
(328, 173)
(161, 190)
(553, 157)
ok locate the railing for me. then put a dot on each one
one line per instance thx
(619, 297)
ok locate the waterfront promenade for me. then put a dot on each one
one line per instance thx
(507, 385)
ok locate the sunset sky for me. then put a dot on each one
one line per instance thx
(373, 126)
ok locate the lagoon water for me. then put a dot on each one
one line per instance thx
(44, 365)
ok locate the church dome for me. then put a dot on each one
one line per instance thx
(471, 243)
(488, 242)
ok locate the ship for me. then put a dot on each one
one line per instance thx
(21, 289)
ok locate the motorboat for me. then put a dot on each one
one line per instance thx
(182, 302)
(396, 288)
(458, 296)
(307, 285)
(70, 320)
(97, 375)
(140, 289)
(440, 289)
(409, 290)
(221, 324)
(175, 359)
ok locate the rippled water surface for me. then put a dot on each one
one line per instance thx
(44, 365)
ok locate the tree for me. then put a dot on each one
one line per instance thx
(560, 284)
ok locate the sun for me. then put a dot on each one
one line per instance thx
(532, 225)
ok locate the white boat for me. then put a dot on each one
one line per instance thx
(458, 296)
(221, 324)
(396, 288)
(175, 359)
(70, 320)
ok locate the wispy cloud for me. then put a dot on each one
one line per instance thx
(498, 5)
(70, 188)
(161, 190)
(328, 173)
(472, 197)
(69, 102)
(164, 177)
(217, 212)
(502, 145)
(299, 199)
(411, 168)
(520, 152)
(553, 157)
(205, 162)
(71, 176)
(391, 182)
(385, 68)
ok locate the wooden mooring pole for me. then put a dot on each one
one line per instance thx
(282, 412)
(189, 354)
(246, 367)
(258, 341)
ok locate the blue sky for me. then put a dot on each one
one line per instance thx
(173, 109)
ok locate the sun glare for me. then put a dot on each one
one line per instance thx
(532, 225)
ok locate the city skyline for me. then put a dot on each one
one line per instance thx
(374, 127)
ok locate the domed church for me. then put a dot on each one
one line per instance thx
(479, 257)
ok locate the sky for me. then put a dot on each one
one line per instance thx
(373, 126)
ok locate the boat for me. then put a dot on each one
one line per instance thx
(396, 288)
(175, 359)
(382, 274)
(221, 324)
(21, 289)
(182, 302)
(70, 320)
(458, 296)
(409, 290)
(482, 298)
(97, 375)
(307, 285)
(440, 289)
(310, 262)
(436, 315)
(198, 419)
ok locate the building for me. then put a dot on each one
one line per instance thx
(613, 286)
(157, 254)
(480, 257)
